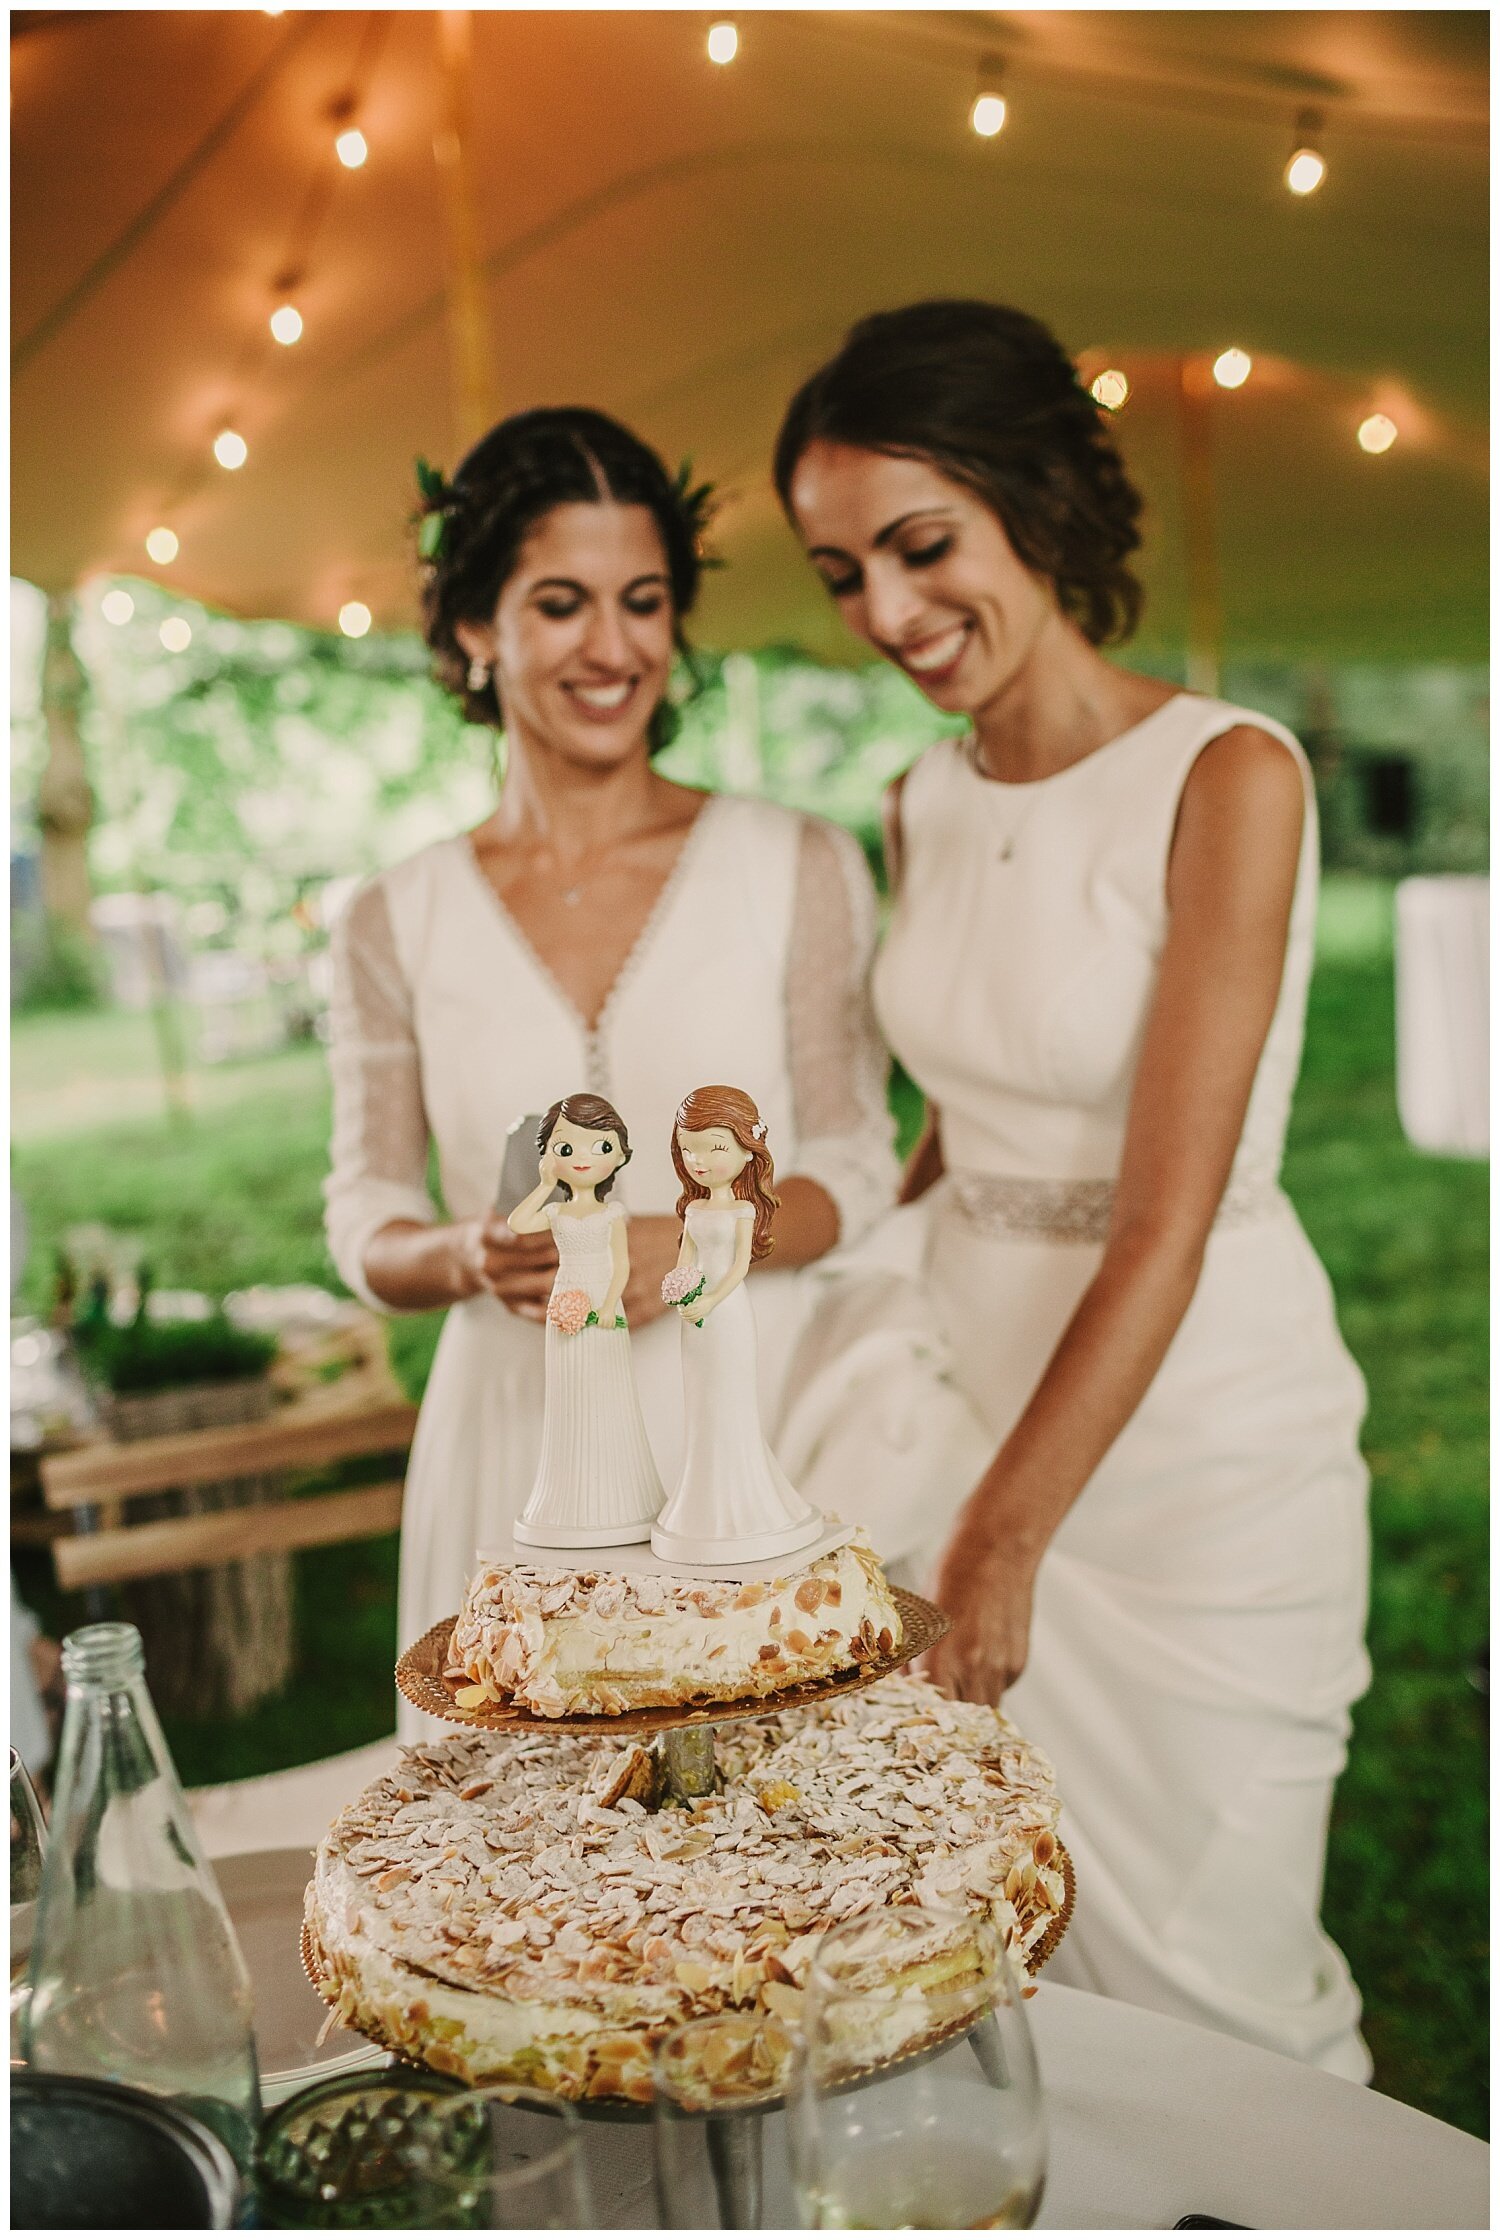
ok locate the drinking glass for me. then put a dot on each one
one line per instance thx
(917, 2104)
(505, 2159)
(715, 2081)
(28, 1841)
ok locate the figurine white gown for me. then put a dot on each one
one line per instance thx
(732, 1489)
(1197, 1634)
(596, 1484)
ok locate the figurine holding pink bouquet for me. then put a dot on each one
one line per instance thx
(733, 1502)
(596, 1483)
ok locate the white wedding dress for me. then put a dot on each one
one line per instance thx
(732, 1490)
(1198, 1631)
(596, 1484)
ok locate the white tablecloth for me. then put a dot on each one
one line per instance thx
(1150, 2119)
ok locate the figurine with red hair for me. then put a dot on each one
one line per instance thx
(733, 1503)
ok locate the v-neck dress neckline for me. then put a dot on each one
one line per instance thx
(594, 1031)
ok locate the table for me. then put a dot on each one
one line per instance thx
(1150, 2119)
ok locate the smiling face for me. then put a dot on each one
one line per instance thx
(582, 637)
(585, 1156)
(923, 570)
(712, 1156)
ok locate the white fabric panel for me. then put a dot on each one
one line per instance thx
(1443, 1014)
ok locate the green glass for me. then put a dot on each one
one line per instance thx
(340, 2156)
(135, 1975)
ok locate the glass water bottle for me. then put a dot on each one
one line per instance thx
(136, 1976)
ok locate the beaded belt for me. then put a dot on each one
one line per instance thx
(1008, 1205)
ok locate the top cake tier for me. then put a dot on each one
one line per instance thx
(560, 1643)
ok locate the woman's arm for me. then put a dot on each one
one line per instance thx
(377, 1184)
(846, 1173)
(1231, 878)
(925, 1165)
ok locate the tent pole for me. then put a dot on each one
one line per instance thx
(473, 381)
(1205, 622)
(65, 800)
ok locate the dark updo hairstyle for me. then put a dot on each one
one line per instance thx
(595, 1114)
(513, 478)
(990, 398)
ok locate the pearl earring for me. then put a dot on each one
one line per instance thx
(479, 674)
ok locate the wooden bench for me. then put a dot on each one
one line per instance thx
(363, 1414)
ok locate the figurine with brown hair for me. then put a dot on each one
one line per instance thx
(596, 1483)
(733, 1502)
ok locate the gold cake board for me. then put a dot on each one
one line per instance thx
(419, 1676)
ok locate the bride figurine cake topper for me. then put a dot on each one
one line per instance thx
(733, 1503)
(596, 1483)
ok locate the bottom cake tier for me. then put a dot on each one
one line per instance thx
(507, 1909)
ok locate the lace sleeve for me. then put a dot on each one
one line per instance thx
(845, 1134)
(380, 1134)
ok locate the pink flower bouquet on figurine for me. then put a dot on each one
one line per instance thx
(570, 1312)
(681, 1286)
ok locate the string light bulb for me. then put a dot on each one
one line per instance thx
(286, 324)
(723, 42)
(176, 633)
(987, 116)
(117, 607)
(1378, 433)
(354, 618)
(1110, 389)
(1306, 167)
(1232, 368)
(351, 148)
(230, 449)
(162, 546)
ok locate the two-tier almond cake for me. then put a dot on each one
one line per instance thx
(505, 1907)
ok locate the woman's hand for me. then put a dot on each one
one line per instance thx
(517, 1270)
(985, 1584)
(653, 1239)
(547, 1169)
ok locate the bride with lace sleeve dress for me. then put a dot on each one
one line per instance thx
(606, 929)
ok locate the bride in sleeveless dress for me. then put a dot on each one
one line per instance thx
(1097, 970)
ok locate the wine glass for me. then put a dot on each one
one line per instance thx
(506, 2158)
(715, 2080)
(28, 1842)
(918, 2105)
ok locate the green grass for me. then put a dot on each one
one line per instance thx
(232, 1196)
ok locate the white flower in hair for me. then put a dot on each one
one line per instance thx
(757, 1129)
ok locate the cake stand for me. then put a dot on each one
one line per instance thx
(685, 1731)
(685, 1734)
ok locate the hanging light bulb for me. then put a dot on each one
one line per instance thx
(1378, 433)
(723, 42)
(117, 607)
(176, 633)
(162, 546)
(1110, 389)
(1306, 169)
(230, 449)
(987, 116)
(286, 324)
(351, 148)
(354, 618)
(1232, 368)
